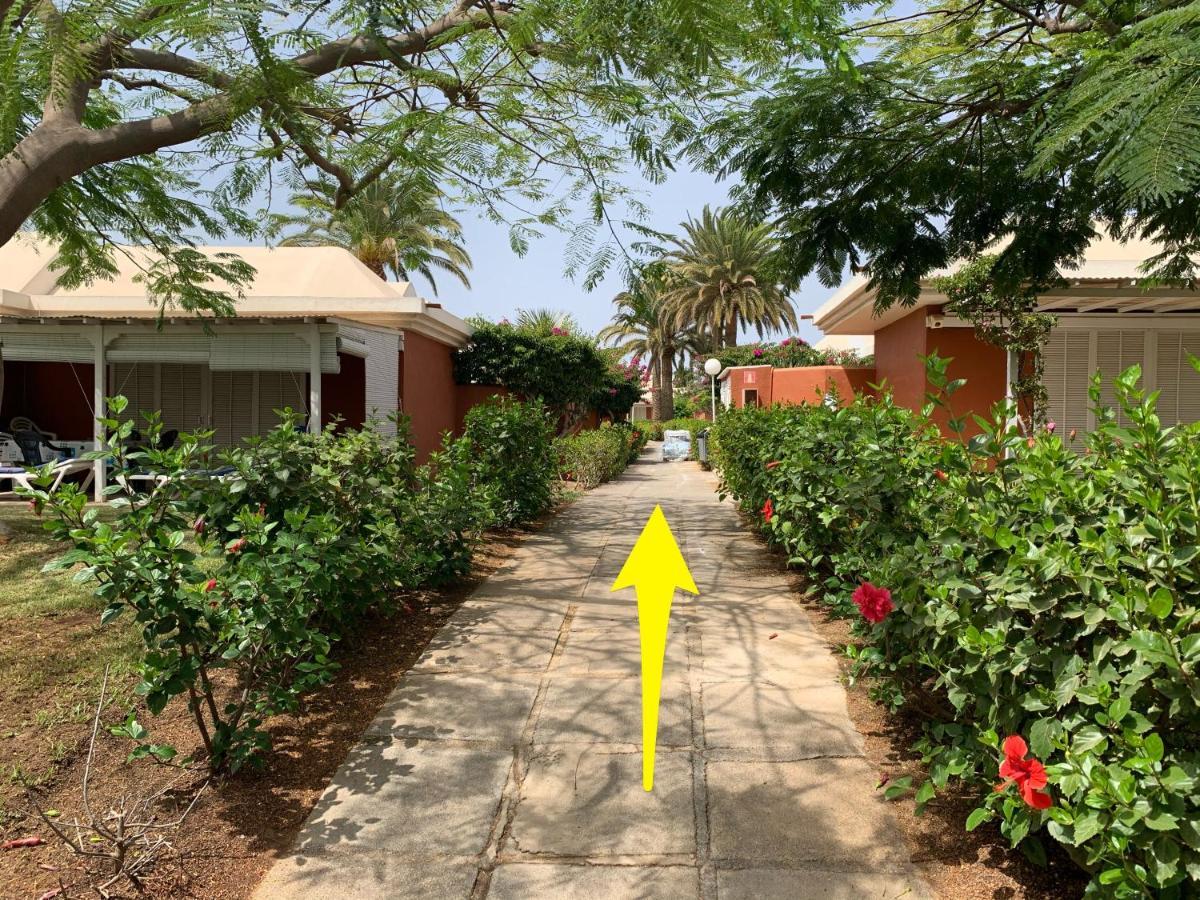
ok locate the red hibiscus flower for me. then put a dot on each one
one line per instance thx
(236, 546)
(210, 585)
(1029, 775)
(768, 510)
(773, 464)
(940, 475)
(873, 602)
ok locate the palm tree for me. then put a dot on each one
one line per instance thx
(644, 325)
(546, 321)
(394, 226)
(721, 272)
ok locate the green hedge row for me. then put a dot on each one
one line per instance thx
(590, 458)
(259, 566)
(1036, 600)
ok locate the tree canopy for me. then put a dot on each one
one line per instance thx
(1017, 125)
(161, 122)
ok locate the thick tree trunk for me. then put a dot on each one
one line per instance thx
(729, 339)
(668, 390)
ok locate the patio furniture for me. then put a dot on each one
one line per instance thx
(30, 443)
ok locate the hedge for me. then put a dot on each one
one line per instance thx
(1034, 600)
(590, 458)
(261, 564)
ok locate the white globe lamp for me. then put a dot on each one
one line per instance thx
(712, 368)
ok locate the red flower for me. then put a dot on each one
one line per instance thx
(236, 546)
(941, 476)
(1029, 775)
(198, 526)
(774, 464)
(210, 585)
(768, 510)
(873, 602)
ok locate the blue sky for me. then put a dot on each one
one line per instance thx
(502, 282)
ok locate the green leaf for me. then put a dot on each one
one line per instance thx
(1161, 603)
(1153, 747)
(978, 817)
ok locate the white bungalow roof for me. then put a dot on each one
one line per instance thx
(1105, 281)
(289, 281)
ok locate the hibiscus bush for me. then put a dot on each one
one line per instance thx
(597, 455)
(243, 572)
(510, 445)
(1035, 599)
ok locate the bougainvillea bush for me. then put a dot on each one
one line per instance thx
(1042, 609)
(243, 571)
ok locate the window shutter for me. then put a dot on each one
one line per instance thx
(180, 396)
(232, 410)
(1116, 351)
(279, 390)
(1178, 382)
(31, 346)
(1066, 377)
(134, 382)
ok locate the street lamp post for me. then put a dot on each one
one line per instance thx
(712, 368)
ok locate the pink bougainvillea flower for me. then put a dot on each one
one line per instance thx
(1028, 775)
(1050, 426)
(758, 352)
(768, 510)
(785, 342)
(773, 464)
(873, 602)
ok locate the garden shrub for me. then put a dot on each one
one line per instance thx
(510, 445)
(652, 430)
(260, 566)
(593, 457)
(1044, 587)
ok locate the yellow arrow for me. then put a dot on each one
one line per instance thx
(655, 568)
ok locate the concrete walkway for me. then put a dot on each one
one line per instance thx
(507, 763)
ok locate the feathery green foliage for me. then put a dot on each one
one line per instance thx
(975, 121)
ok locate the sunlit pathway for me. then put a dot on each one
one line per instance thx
(507, 763)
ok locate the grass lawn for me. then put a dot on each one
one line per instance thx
(53, 653)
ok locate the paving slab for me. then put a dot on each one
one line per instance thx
(797, 718)
(609, 711)
(419, 800)
(588, 802)
(367, 876)
(806, 884)
(808, 811)
(459, 707)
(590, 882)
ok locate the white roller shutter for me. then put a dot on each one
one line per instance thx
(1116, 351)
(32, 346)
(1067, 367)
(152, 347)
(277, 351)
(1178, 381)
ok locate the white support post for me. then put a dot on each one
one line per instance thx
(314, 380)
(99, 384)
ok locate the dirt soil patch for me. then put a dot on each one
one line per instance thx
(957, 864)
(242, 824)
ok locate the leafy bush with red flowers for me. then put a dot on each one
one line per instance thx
(1046, 621)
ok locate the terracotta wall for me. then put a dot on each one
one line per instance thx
(468, 395)
(428, 393)
(751, 378)
(983, 365)
(344, 395)
(811, 384)
(898, 348)
(58, 399)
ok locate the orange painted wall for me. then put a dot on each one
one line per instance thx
(428, 394)
(898, 348)
(983, 365)
(468, 395)
(753, 378)
(812, 383)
